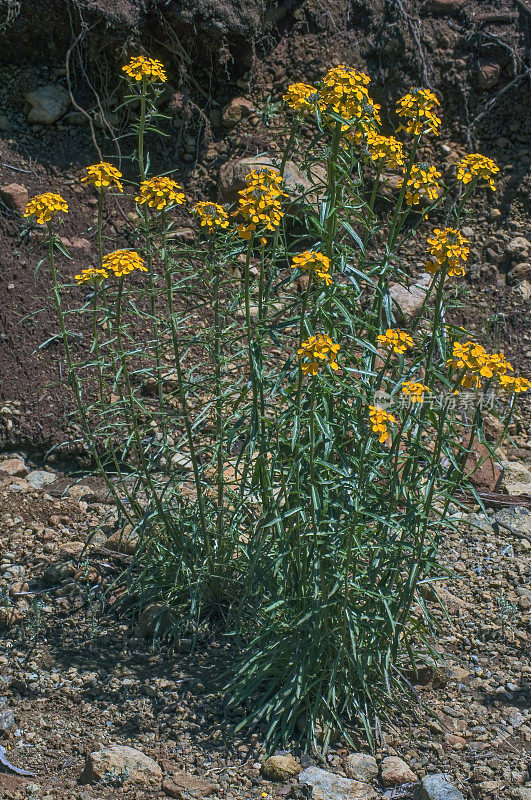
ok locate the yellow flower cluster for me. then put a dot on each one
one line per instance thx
(260, 202)
(448, 249)
(314, 351)
(159, 193)
(386, 151)
(422, 184)
(417, 107)
(475, 167)
(396, 340)
(316, 264)
(102, 175)
(344, 91)
(122, 262)
(301, 97)
(514, 384)
(380, 419)
(414, 390)
(45, 206)
(145, 69)
(211, 215)
(91, 275)
(477, 363)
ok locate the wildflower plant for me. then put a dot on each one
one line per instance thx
(273, 441)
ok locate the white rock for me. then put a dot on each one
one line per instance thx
(38, 478)
(407, 301)
(121, 765)
(48, 104)
(438, 787)
(328, 786)
(516, 478)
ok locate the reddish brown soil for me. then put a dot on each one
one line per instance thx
(399, 45)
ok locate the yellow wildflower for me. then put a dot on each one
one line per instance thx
(45, 206)
(447, 249)
(477, 363)
(313, 263)
(379, 419)
(159, 193)
(122, 262)
(417, 106)
(422, 184)
(396, 340)
(476, 167)
(211, 215)
(314, 351)
(414, 390)
(91, 275)
(102, 175)
(514, 384)
(386, 151)
(141, 68)
(260, 203)
(301, 97)
(344, 91)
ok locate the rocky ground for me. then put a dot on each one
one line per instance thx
(79, 684)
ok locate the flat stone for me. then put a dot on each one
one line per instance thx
(408, 300)
(15, 196)
(48, 104)
(7, 719)
(517, 478)
(39, 478)
(232, 178)
(280, 768)
(438, 787)
(233, 112)
(123, 541)
(395, 772)
(328, 786)
(121, 765)
(14, 467)
(5, 124)
(181, 784)
(518, 518)
(361, 767)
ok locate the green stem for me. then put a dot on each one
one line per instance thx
(182, 392)
(74, 382)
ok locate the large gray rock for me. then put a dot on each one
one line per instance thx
(438, 787)
(408, 300)
(121, 765)
(517, 518)
(39, 478)
(328, 786)
(48, 104)
(517, 478)
(232, 178)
